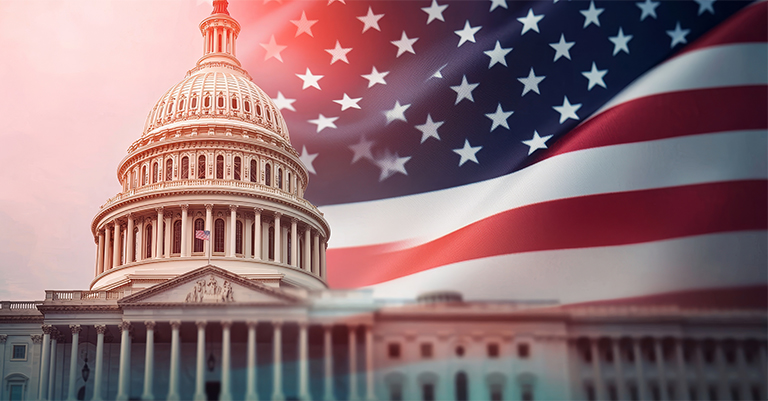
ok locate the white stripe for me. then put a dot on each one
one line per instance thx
(600, 273)
(671, 162)
(710, 67)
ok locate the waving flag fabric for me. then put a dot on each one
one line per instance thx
(580, 151)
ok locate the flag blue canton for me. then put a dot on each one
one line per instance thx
(417, 96)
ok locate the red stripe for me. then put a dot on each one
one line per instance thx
(747, 297)
(746, 26)
(670, 115)
(588, 221)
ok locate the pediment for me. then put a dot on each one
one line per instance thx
(209, 285)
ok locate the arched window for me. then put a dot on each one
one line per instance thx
(201, 167)
(218, 236)
(193, 103)
(207, 102)
(135, 243)
(144, 175)
(258, 109)
(199, 226)
(161, 238)
(184, 168)
(220, 167)
(288, 250)
(253, 234)
(271, 244)
(181, 105)
(268, 175)
(236, 171)
(288, 184)
(280, 178)
(239, 237)
(220, 102)
(170, 107)
(176, 237)
(247, 106)
(462, 387)
(148, 241)
(169, 169)
(154, 172)
(254, 170)
(269, 115)
(234, 103)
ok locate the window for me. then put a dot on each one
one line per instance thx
(462, 387)
(236, 171)
(220, 103)
(19, 352)
(268, 175)
(396, 392)
(220, 167)
(176, 236)
(154, 172)
(239, 237)
(135, 243)
(193, 103)
(258, 109)
(15, 391)
(288, 184)
(459, 351)
(497, 392)
(218, 236)
(170, 107)
(207, 102)
(713, 394)
(144, 176)
(234, 103)
(589, 392)
(613, 394)
(493, 350)
(634, 392)
(160, 237)
(428, 392)
(523, 351)
(253, 235)
(148, 242)
(526, 393)
(247, 106)
(271, 244)
(393, 350)
(426, 350)
(199, 226)
(254, 171)
(169, 169)
(280, 178)
(185, 168)
(201, 167)
(181, 104)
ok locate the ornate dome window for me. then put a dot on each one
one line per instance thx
(220, 102)
(254, 170)
(135, 242)
(144, 176)
(218, 236)
(169, 169)
(239, 237)
(279, 178)
(247, 106)
(258, 110)
(193, 102)
(181, 105)
(170, 107)
(207, 102)
(219, 167)
(199, 226)
(176, 237)
(268, 175)
(236, 171)
(148, 241)
(234, 103)
(288, 184)
(154, 172)
(185, 168)
(201, 167)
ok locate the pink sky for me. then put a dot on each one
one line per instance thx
(77, 79)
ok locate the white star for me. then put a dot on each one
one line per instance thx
(595, 77)
(323, 122)
(705, 5)
(536, 142)
(464, 90)
(347, 102)
(567, 110)
(620, 42)
(273, 49)
(467, 153)
(429, 129)
(309, 80)
(375, 77)
(304, 25)
(678, 35)
(498, 55)
(370, 20)
(467, 34)
(338, 53)
(530, 21)
(391, 164)
(499, 118)
(531, 82)
(362, 150)
(397, 112)
(434, 11)
(405, 44)
(283, 103)
(592, 15)
(498, 3)
(307, 159)
(562, 48)
(648, 9)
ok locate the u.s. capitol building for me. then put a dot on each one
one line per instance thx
(248, 313)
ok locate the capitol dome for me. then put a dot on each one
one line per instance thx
(212, 179)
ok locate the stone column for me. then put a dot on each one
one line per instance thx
(98, 394)
(660, 372)
(173, 376)
(208, 223)
(185, 236)
(639, 373)
(277, 356)
(370, 394)
(250, 375)
(682, 377)
(621, 385)
(278, 238)
(200, 366)
(42, 391)
(328, 349)
(116, 243)
(316, 255)
(257, 233)
(124, 375)
(129, 238)
(323, 249)
(52, 367)
(149, 362)
(232, 232)
(226, 364)
(303, 363)
(307, 250)
(71, 394)
(100, 256)
(107, 260)
(159, 233)
(597, 369)
(294, 243)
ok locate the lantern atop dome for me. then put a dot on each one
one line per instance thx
(219, 34)
(220, 7)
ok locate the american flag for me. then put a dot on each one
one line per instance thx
(204, 235)
(581, 151)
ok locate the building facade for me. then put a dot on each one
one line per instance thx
(210, 283)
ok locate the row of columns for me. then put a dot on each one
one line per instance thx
(601, 390)
(111, 248)
(211, 43)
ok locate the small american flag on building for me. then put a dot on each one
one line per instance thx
(204, 235)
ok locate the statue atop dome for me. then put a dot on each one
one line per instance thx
(220, 7)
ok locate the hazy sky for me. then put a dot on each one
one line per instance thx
(77, 80)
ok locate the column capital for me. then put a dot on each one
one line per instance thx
(159, 209)
(201, 324)
(226, 323)
(36, 338)
(252, 323)
(125, 326)
(328, 326)
(232, 208)
(352, 326)
(76, 328)
(175, 324)
(208, 207)
(150, 324)
(294, 220)
(258, 210)
(278, 215)
(129, 215)
(47, 329)
(184, 206)
(100, 328)
(277, 323)
(302, 324)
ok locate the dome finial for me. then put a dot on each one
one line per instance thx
(220, 7)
